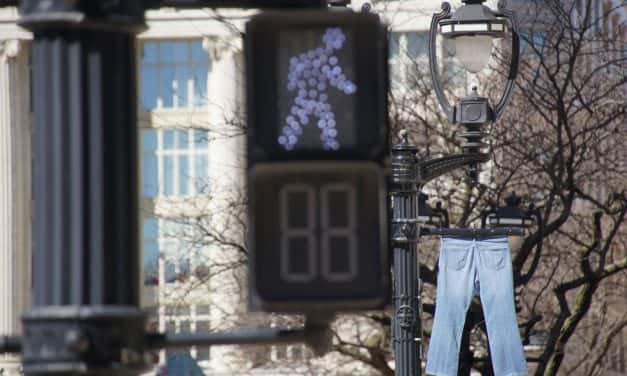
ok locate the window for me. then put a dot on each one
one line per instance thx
(408, 53)
(287, 353)
(278, 353)
(599, 16)
(177, 310)
(185, 327)
(530, 42)
(173, 74)
(454, 74)
(170, 326)
(202, 326)
(532, 46)
(202, 353)
(202, 309)
(177, 260)
(179, 247)
(182, 310)
(152, 318)
(175, 162)
(394, 45)
(151, 252)
(297, 352)
(417, 44)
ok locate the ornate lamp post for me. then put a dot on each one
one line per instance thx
(472, 28)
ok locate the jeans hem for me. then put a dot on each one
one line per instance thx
(454, 374)
(441, 374)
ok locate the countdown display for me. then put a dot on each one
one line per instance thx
(319, 236)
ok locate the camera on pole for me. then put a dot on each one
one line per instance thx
(317, 137)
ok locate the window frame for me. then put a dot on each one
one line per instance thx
(194, 185)
(182, 254)
(403, 59)
(159, 64)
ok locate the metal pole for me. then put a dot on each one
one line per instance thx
(406, 327)
(316, 334)
(235, 337)
(85, 315)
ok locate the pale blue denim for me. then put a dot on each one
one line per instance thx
(467, 267)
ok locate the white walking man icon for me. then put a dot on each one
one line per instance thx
(310, 73)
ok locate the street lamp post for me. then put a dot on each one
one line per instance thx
(406, 294)
(472, 28)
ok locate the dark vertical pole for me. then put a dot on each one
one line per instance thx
(466, 357)
(86, 314)
(85, 169)
(406, 334)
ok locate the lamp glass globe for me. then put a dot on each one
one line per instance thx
(473, 51)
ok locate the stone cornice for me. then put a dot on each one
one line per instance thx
(222, 47)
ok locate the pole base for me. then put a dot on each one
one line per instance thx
(78, 339)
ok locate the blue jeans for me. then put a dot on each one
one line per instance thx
(483, 267)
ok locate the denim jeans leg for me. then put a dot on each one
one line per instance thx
(494, 265)
(453, 294)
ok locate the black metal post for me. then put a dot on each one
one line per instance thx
(406, 327)
(86, 315)
(235, 337)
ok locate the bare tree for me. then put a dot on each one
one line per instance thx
(561, 145)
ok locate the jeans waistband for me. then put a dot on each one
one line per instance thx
(483, 242)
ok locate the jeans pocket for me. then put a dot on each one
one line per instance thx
(455, 258)
(494, 259)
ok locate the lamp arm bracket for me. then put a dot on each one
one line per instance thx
(429, 170)
(513, 67)
(433, 66)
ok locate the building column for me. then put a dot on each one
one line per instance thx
(15, 192)
(227, 163)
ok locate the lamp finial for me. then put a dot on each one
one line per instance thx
(403, 135)
(512, 199)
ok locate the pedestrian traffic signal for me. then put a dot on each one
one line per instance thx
(316, 86)
(317, 136)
